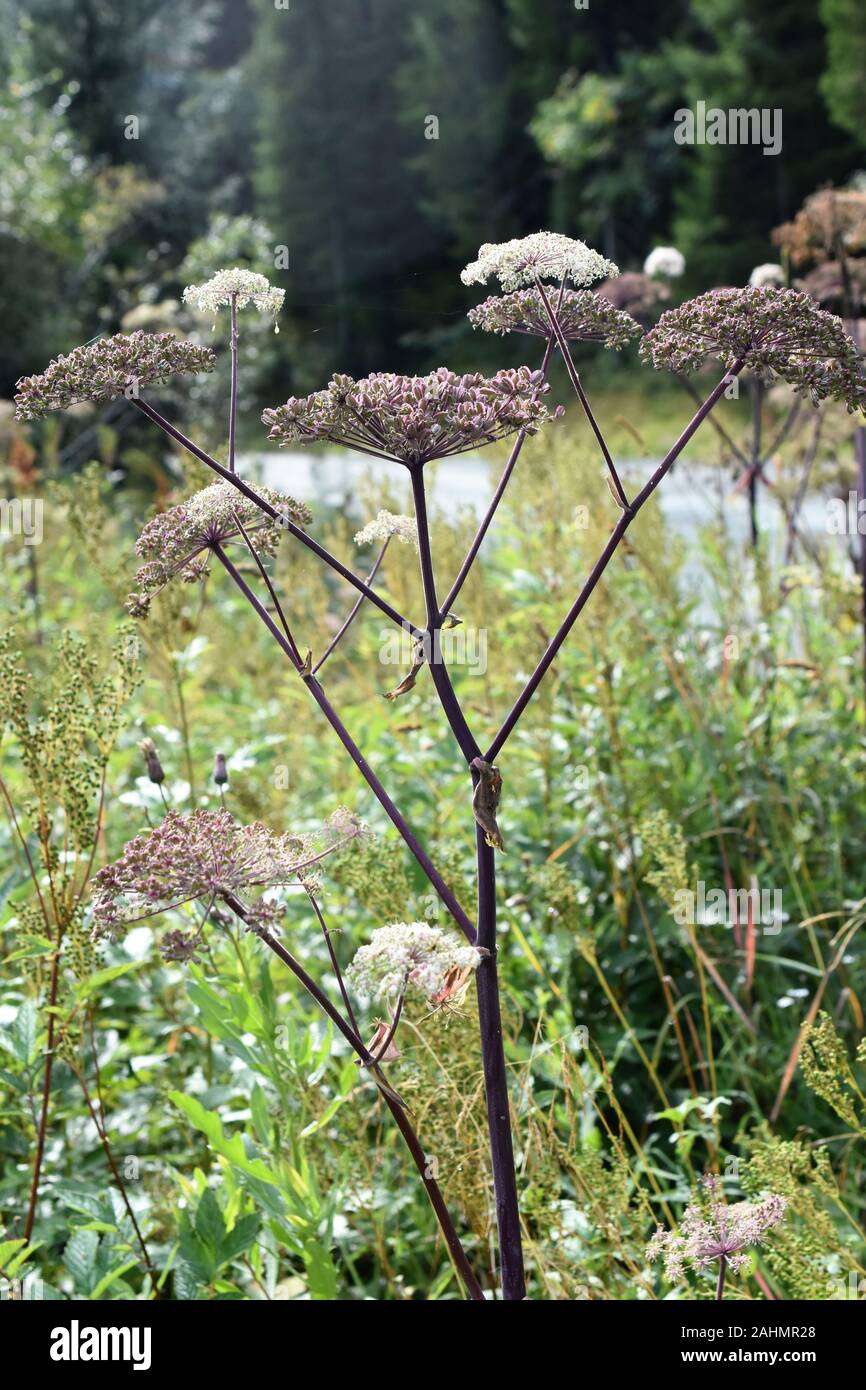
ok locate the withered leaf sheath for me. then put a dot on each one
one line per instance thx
(408, 681)
(485, 801)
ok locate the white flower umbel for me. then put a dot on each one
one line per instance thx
(666, 261)
(409, 955)
(541, 256)
(387, 524)
(247, 285)
(766, 275)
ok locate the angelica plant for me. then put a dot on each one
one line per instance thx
(411, 421)
(715, 1233)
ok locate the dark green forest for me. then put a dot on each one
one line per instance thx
(362, 149)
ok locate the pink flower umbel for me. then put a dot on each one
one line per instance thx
(713, 1231)
(107, 368)
(177, 542)
(413, 419)
(583, 316)
(774, 333)
(207, 857)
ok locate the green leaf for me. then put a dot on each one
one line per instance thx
(80, 1258)
(327, 1114)
(239, 1238)
(107, 1280)
(104, 977)
(211, 1127)
(210, 1226)
(8, 1248)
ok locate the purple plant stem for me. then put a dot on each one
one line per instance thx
(354, 752)
(603, 561)
(266, 580)
(496, 1080)
(441, 680)
(335, 964)
(233, 400)
(263, 505)
(720, 1285)
(487, 982)
(437, 1201)
(579, 391)
(352, 615)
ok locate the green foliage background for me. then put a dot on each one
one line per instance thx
(313, 118)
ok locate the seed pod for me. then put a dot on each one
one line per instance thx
(220, 772)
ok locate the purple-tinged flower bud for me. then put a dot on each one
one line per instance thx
(151, 760)
(220, 772)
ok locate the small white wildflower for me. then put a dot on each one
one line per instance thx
(412, 954)
(767, 274)
(666, 261)
(250, 288)
(541, 256)
(387, 524)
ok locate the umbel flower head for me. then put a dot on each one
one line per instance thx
(410, 955)
(413, 419)
(208, 857)
(246, 286)
(776, 333)
(387, 524)
(665, 261)
(767, 274)
(583, 315)
(177, 541)
(541, 256)
(107, 368)
(712, 1229)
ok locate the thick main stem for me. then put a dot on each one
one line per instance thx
(438, 671)
(487, 980)
(757, 391)
(496, 1081)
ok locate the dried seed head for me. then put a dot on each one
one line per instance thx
(776, 333)
(203, 857)
(413, 419)
(583, 315)
(107, 368)
(710, 1228)
(177, 542)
